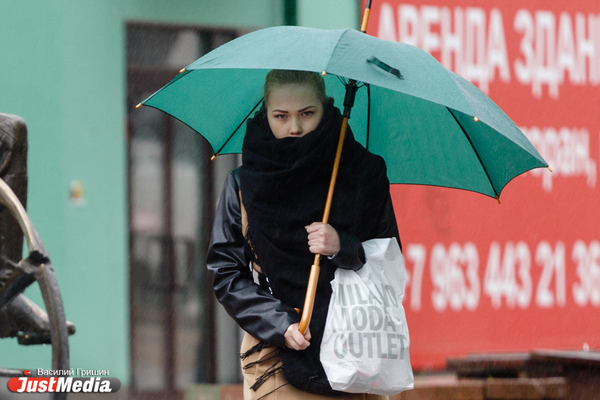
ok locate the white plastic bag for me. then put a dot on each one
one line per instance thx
(365, 343)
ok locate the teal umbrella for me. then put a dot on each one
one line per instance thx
(431, 126)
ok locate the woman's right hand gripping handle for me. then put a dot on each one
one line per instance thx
(294, 339)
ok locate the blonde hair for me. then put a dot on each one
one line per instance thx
(278, 77)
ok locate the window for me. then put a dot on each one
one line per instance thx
(172, 196)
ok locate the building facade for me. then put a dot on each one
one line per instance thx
(124, 198)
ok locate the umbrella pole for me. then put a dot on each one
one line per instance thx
(313, 278)
(315, 269)
(311, 289)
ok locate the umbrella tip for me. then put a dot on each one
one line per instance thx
(214, 156)
(139, 105)
(324, 73)
(475, 119)
(498, 198)
(549, 169)
(182, 70)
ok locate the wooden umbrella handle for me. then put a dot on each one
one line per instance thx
(313, 278)
(311, 290)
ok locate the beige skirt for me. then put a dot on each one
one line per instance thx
(276, 387)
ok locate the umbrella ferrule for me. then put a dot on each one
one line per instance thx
(365, 20)
(351, 89)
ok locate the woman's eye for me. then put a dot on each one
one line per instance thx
(280, 116)
(308, 113)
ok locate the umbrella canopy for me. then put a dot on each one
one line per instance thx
(430, 125)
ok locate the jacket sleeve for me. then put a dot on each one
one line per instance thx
(252, 306)
(352, 254)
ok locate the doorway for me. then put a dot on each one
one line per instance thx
(172, 197)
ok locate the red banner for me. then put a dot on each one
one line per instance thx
(524, 274)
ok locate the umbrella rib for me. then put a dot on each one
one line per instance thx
(238, 127)
(475, 150)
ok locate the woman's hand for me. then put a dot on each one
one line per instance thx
(294, 339)
(323, 239)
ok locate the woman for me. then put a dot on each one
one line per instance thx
(265, 232)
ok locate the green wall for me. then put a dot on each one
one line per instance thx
(328, 14)
(63, 70)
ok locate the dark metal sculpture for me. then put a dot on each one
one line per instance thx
(19, 316)
(13, 170)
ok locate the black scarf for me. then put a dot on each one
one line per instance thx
(284, 184)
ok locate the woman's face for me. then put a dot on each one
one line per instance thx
(293, 110)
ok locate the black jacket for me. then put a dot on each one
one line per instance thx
(252, 305)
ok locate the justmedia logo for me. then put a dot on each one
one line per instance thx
(62, 384)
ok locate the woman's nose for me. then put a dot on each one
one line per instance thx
(296, 126)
